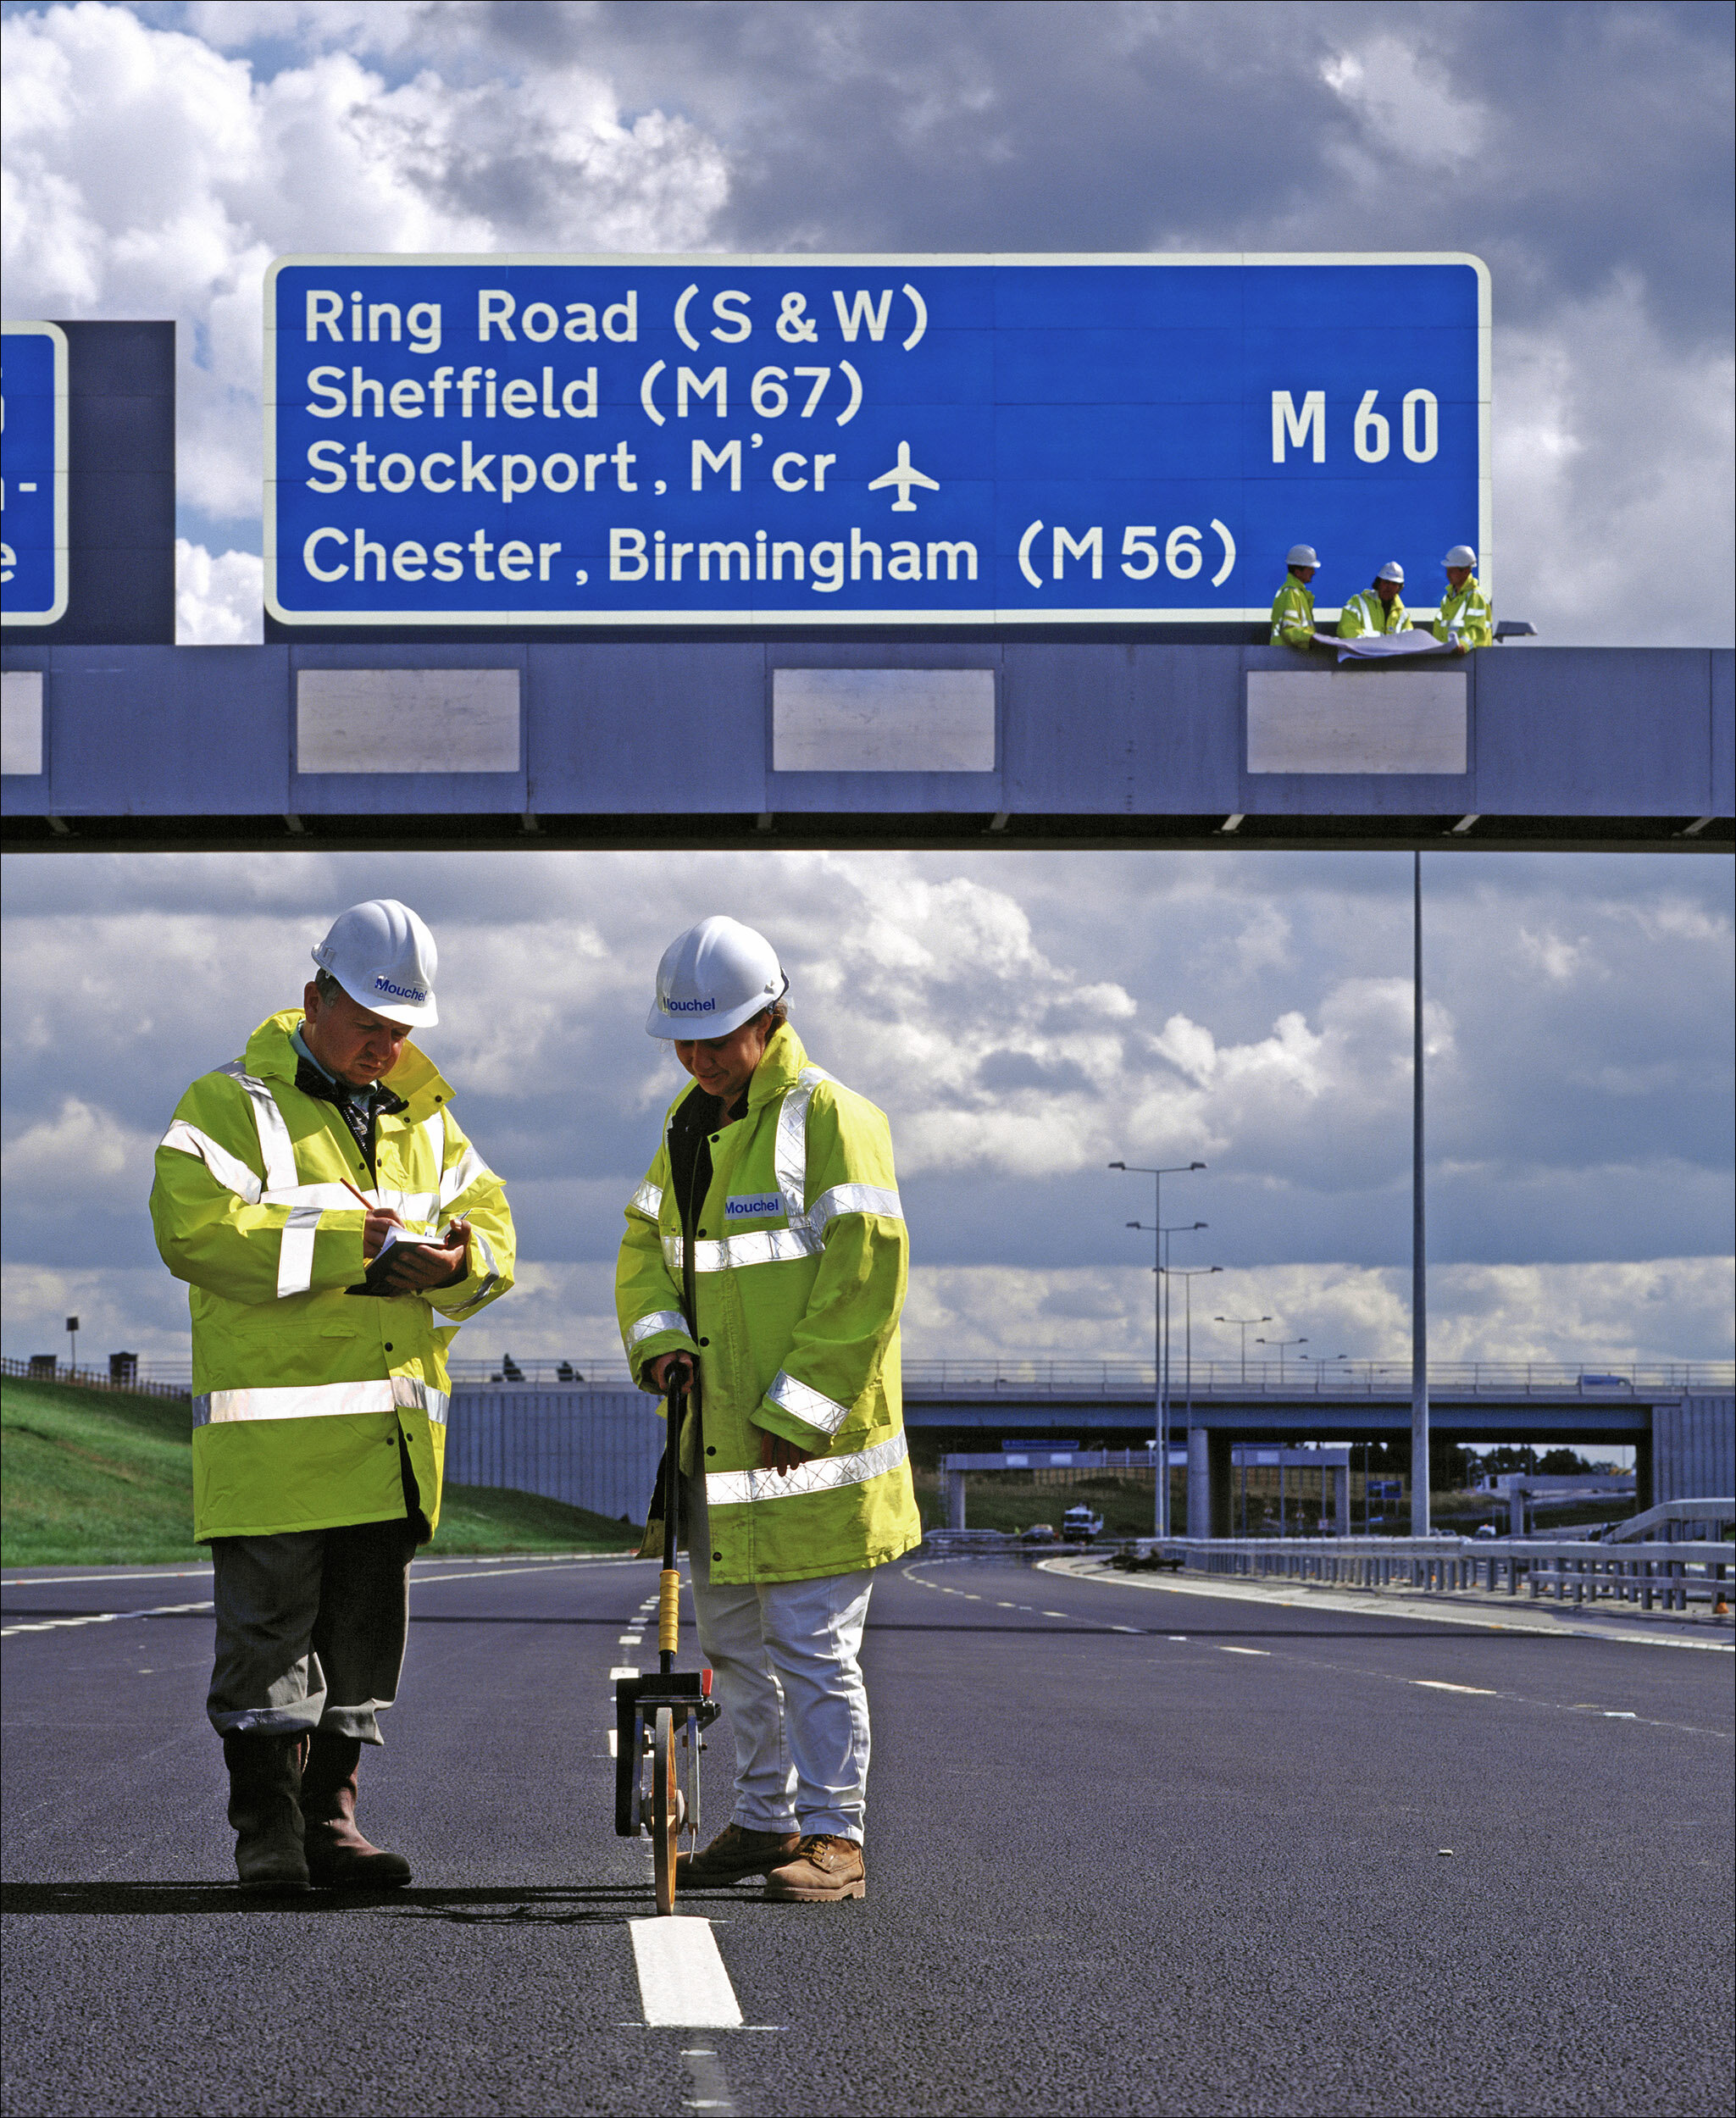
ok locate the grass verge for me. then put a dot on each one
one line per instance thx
(99, 1477)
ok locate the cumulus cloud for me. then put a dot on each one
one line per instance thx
(1024, 1019)
(147, 172)
(218, 601)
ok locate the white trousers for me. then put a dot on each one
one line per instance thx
(788, 1674)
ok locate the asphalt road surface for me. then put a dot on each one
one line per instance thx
(1130, 1850)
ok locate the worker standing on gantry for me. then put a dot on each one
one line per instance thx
(319, 1419)
(1379, 609)
(1466, 617)
(767, 1246)
(1292, 607)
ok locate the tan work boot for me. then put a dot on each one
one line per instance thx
(736, 1852)
(339, 1857)
(826, 1868)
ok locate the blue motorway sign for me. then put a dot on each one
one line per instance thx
(33, 474)
(615, 441)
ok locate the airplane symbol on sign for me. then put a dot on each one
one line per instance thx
(903, 477)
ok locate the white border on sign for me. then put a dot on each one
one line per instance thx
(712, 261)
(62, 393)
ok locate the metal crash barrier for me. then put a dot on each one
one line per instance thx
(1653, 1576)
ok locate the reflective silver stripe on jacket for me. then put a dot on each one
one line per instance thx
(469, 1169)
(276, 1149)
(790, 1150)
(295, 1252)
(658, 1320)
(322, 1400)
(825, 1474)
(762, 1246)
(853, 1198)
(648, 1200)
(807, 1404)
(230, 1170)
(491, 1273)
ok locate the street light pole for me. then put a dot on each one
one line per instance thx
(1175, 1169)
(1243, 1321)
(1187, 1279)
(1419, 1266)
(1280, 1343)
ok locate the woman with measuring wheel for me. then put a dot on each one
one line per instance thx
(767, 1244)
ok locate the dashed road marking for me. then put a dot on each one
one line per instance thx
(1244, 1650)
(682, 1980)
(1440, 1684)
(624, 1669)
(614, 1742)
(68, 1581)
(1175, 1636)
(1055, 1614)
(102, 1618)
(1137, 1630)
(630, 1639)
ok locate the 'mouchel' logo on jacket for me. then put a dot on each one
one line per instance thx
(753, 1205)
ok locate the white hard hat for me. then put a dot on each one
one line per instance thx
(385, 959)
(1392, 571)
(1460, 555)
(1301, 555)
(712, 978)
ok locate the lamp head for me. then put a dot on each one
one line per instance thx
(1118, 1165)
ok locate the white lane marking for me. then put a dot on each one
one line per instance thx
(66, 1580)
(499, 1573)
(1244, 1650)
(624, 1669)
(1175, 1636)
(1055, 1614)
(102, 1618)
(614, 1742)
(682, 1980)
(969, 1597)
(630, 1639)
(1440, 1684)
(1608, 1715)
(1006, 1606)
(1125, 1628)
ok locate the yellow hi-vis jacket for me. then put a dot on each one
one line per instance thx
(1366, 613)
(799, 1261)
(1293, 614)
(1470, 610)
(301, 1392)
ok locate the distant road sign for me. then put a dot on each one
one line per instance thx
(614, 440)
(33, 474)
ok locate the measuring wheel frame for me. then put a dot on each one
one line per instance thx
(654, 1715)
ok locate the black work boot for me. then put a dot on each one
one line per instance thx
(338, 1857)
(265, 1807)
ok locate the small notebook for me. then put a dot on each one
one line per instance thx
(396, 1239)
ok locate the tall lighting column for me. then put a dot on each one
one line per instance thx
(1187, 1279)
(1175, 1169)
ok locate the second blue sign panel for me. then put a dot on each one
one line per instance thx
(616, 441)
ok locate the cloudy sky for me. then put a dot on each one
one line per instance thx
(1024, 1018)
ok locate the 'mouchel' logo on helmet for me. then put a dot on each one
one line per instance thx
(414, 994)
(686, 1007)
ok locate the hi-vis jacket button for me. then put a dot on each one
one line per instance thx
(704, 1342)
(717, 1554)
(710, 1451)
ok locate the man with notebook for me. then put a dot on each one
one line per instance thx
(328, 1213)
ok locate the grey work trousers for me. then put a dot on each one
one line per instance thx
(785, 1655)
(310, 1629)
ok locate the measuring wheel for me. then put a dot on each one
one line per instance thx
(668, 1809)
